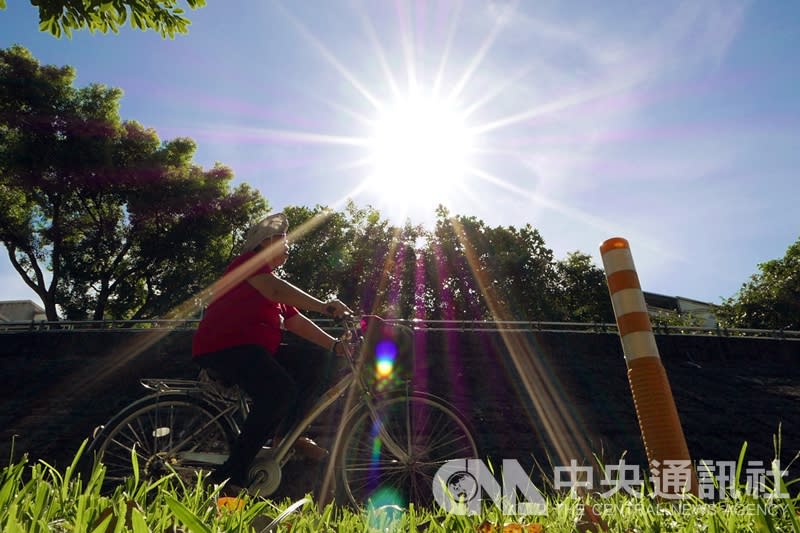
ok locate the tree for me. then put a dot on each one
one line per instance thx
(453, 269)
(522, 271)
(403, 288)
(126, 225)
(319, 249)
(365, 284)
(348, 254)
(583, 290)
(63, 16)
(770, 299)
(502, 273)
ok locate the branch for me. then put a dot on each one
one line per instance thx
(12, 256)
(121, 255)
(122, 275)
(88, 210)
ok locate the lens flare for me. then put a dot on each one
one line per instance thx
(376, 449)
(385, 516)
(386, 510)
(376, 454)
(385, 356)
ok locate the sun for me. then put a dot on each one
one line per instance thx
(420, 150)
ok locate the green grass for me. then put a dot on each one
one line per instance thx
(36, 497)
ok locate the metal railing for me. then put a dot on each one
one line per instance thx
(416, 324)
(592, 327)
(101, 325)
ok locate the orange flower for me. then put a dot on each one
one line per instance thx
(229, 503)
(488, 527)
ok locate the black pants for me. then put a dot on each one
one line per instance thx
(282, 386)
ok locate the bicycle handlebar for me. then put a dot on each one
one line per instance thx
(355, 329)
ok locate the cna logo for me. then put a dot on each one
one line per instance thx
(462, 486)
(459, 486)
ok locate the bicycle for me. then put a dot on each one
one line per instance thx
(389, 441)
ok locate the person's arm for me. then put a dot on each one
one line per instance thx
(279, 290)
(300, 325)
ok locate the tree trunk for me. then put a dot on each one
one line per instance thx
(102, 301)
(49, 302)
(47, 297)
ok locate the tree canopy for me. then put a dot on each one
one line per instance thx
(126, 224)
(462, 269)
(771, 298)
(63, 16)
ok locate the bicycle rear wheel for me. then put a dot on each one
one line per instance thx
(429, 431)
(174, 432)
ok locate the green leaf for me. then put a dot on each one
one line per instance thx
(739, 466)
(2, 4)
(13, 526)
(104, 523)
(138, 522)
(11, 480)
(135, 465)
(47, 25)
(69, 473)
(186, 516)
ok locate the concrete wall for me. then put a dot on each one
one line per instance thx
(58, 385)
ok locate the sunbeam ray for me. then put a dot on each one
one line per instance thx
(352, 194)
(576, 214)
(543, 392)
(407, 42)
(363, 119)
(451, 33)
(267, 134)
(380, 292)
(480, 55)
(329, 57)
(497, 90)
(101, 370)
(595, 92)
(366, 23)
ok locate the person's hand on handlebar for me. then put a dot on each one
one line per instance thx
(337, 309)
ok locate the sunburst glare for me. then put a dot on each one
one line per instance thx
(420, 147)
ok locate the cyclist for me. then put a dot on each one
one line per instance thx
(239, 340)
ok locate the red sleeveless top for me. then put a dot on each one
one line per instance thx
(242, 315)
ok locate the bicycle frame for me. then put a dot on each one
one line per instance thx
(281, 453)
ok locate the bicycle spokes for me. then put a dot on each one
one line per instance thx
(173, 435)
(429, 434)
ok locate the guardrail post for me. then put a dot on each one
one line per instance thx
(661, 429)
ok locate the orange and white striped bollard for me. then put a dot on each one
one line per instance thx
(661, 428)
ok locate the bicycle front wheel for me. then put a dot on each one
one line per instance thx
(430, 433)
(166, 433)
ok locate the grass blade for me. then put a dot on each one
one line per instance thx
(186, 516)
(138, 523)
(739, 465)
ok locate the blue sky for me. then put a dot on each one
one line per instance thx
(673, 124)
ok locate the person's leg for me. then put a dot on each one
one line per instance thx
(273, 391)
(310, 367)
